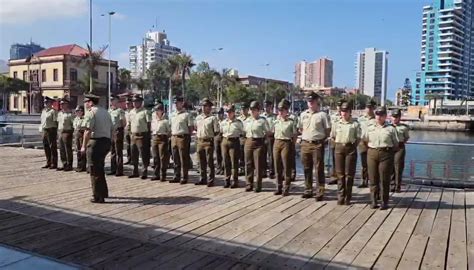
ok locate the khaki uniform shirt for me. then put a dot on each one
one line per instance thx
(127, 118)
(98, 121)
(284, 129)
(402, 132)
(379, 136)
(313, 125)
(49, 119)
(243, 118)
(181, 122)
(256, 128)
(117, 115)
(78, 123)
(232, 128)
(335, 117)
(346, 132)
(65, 121)
(139, 119)
(271, 117)
(365, 121)
(206, 126)
(160, 126)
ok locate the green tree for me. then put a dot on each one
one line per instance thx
(359, 101)
(238, 93)
(91, 60)
(221, 81)
(9, 86)
(275, 92)
(141, 84)
(158, 77)
(124, 79)
(184, 64)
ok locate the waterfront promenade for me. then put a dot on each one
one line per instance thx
(151, 225)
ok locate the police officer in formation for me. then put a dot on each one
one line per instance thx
(161, 131)
(256, 131)
(78, 125)
(118, 123)
(140, 126)
(314, 127)
(181, 128)
(66, 130)
(96, 144)
(218, 143)
(269, 162)
(382, 141)
(243, 117)
(232, 130)
(284, 130)
(345, 134)
(399, 157)
(49, 128)
(335, 117)
(207, 127)
(128, 136)
(365, 120)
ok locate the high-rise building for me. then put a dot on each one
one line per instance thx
(155, 47)
(447, 42)
(22, 51)
(317, 74)
(372, 70)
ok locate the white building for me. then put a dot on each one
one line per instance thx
(371, 74)
(155, 47)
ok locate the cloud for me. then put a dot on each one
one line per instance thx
(28, 11)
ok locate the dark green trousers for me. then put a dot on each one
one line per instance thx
(231, 155)
(116, 157)
(346, 160)
(380, 167)
(254, 161)
(65, 148)
(399, 166)
(97, 149)
(282, 155)
(50, 145)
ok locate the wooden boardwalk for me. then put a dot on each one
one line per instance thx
(150, 225)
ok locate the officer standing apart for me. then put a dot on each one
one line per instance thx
(335, 117)
(243, 117)
(256, 130)
(128, 136)
(217, 144)
(232, 129)
(97, 134)
(365, 121)
(345, 134)
(140, 124)
(78, 125)
(161, 131)
(315, 128)
(285, 135)
(269, 162)
(181, 129)
(66, 131)
(382, 140)
(118, 122)
(207, 127)
(49, 128)
(403, 136)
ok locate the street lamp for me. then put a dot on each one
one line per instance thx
(109, 81)
(219, 89)
(266, 79)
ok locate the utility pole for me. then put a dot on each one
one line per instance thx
(90, 42)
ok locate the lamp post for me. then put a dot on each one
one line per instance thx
(219, 89)
(266, 79)
(90, 42)
(109, 77)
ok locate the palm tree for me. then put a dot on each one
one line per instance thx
(222, 81)
(434, 97)
(125, 78)
(185, 63)
(141, 84)
(91, 59)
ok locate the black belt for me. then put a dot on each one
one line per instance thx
(206, 139)
(232, 138)
(283, 140)
(381, 148)
(160, 135)
(346, 144)
(181, 136)
(140, 133)
(256, 139)
(119, 129)
(314, 142)
(67, 131)
(101, 138)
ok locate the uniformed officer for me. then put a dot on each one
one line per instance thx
(382, 140)
(140, 124)
(78, 125)
(207, 127)
(293, 116)
(345, 134)
(256, 131)
(118, 122)
(49, 128)
(243, 117)
(161, 131)
(365, 121)
(335, 117)
(217, 144)
(284, 130)
(98, 131)
(269, 162)
(314, 126)
(403, 136)
(66, 131)
(128, 137)
(181, 129)
(232, 130)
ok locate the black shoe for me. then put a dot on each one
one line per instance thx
(278, 192)
(307, 195)
(363, 185)
(210, 183)
(45, 166)
(374, 206)
(101, 200)
(128, 163)
(234, 185)
(340, 202)
(60, 169)
(265, 176)
(201, 183)
(272, 176)
(319, 198)
(384, 206)
(332, 182)
(67, 169)
(227, 184)
(392, 189)
(79, 170)
(248, 189)
(183, 182)
(119, 174)
(133, 176)
(155, 178)
(111, 173)
(285, 193)
(53, 167)
(174, 180)
(347, 202)
(144, 176)
(258, 190)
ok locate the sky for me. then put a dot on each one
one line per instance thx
(252, 33)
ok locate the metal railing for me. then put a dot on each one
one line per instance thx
(19, 134)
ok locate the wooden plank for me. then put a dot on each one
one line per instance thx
(457, 253)
(470, 227)
(435, 254)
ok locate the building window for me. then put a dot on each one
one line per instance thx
(15, 102)
(15, 74)
(43, 75)
(432, 15)
(25, 102)
(432, 21)
(431, 26)
(73, 75)
(55, 74)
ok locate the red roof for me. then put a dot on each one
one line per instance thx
(71, 49)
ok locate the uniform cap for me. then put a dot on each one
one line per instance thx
(312, 96)
(113, 97)
(64, 100)
(381, 110)
(231, 108)
(137, 98)
(80, 108)
(396, 112)
(177, 99)
(345, 106)
(47, 99)
(206, 102)
(339, 102)
(159, 107)
(284, 104)
(268, 102)
(91, 97)
(254, 105)
(371, 104)
(220, 111)
(128, 99)
(244, 106)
